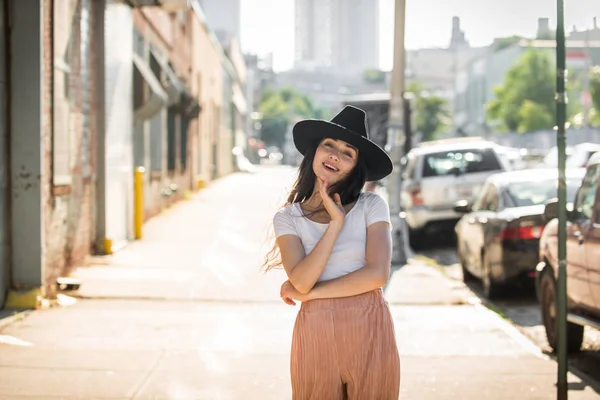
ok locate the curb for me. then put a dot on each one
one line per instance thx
(12, 318)
(511, 329)
(432, 262)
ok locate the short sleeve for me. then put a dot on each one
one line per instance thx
(377, 210)
(283, 224)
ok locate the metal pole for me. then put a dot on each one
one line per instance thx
(396, 137)
(586, 87)
(99, 13)
(561, 114)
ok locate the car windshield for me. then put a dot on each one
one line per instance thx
(460, 162)
(523, 194)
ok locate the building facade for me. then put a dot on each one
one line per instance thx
(475, 83)
(94, 90)
(223, 16)
(341, 34)
(49, 128)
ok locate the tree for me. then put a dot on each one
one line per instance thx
(502, 43)
(278, 107)
(595, 93)
(530, 80)
(430, 113)
(431, 116)
(374, 76)
(533, 117)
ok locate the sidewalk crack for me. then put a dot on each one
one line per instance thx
(137, 391)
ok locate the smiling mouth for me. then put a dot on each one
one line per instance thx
(330, 167)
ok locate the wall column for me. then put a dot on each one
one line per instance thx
(26, 146)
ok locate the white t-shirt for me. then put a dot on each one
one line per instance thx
(349, 251)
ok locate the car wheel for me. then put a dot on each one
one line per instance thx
(415, 238)
(467, 276)
(491, 289)
(548, 305)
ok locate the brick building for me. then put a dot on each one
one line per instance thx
(92, 90)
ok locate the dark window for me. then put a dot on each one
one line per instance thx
(460, 162)
(185, 123)
(522, 194)
(584, 204)
(156, 127)
(171, 140)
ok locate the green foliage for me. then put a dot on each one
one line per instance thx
(574, 89)
(374, 76)
(595, 117)
(278, 107)
(526, 98)
(595, 90)
(533, 117)
(430, 112)
(502, 43)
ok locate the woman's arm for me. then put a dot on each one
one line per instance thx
(303, 270)
(372, 276)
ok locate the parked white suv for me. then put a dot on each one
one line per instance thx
(438, 174)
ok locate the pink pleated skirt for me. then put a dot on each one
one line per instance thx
(345, 348)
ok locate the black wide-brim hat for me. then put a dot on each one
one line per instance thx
(350, 125)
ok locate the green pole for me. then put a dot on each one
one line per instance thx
(561, 116)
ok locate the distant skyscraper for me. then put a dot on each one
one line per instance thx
(223, 17)
(339, 34)
(458, 39)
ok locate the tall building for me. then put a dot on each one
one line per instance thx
(340, 34)
(592, 34)
(458, 38)
(223, 17)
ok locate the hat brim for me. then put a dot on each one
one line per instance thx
(312, 131)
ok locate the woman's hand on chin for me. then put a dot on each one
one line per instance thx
(333, 206)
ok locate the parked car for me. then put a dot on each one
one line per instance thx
(498, 236)
(578, 156)
(514, 157)
(582, 263)
(438, 174)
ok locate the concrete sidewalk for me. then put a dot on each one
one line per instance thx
(149, 349)
(453, 347)
(185, 314)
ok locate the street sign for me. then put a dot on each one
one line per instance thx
(577, 59)
(586, 99)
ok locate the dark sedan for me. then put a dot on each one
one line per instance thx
(498, 237)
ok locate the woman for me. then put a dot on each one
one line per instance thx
(334, 243)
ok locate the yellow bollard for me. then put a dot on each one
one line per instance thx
(108, 246)
(138, 207)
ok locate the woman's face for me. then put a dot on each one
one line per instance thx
(334, 160)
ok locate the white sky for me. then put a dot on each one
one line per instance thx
(268, 25)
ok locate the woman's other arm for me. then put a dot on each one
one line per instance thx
(303, 270)
(372, 276)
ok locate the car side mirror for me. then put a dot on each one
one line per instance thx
(462, 207)
(551, 210)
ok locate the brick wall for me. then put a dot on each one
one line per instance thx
(69, 207)
(207, 86)
(180, 53)
(170, 34)
(47, 199)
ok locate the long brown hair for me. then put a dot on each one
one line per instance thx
(349, 189)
